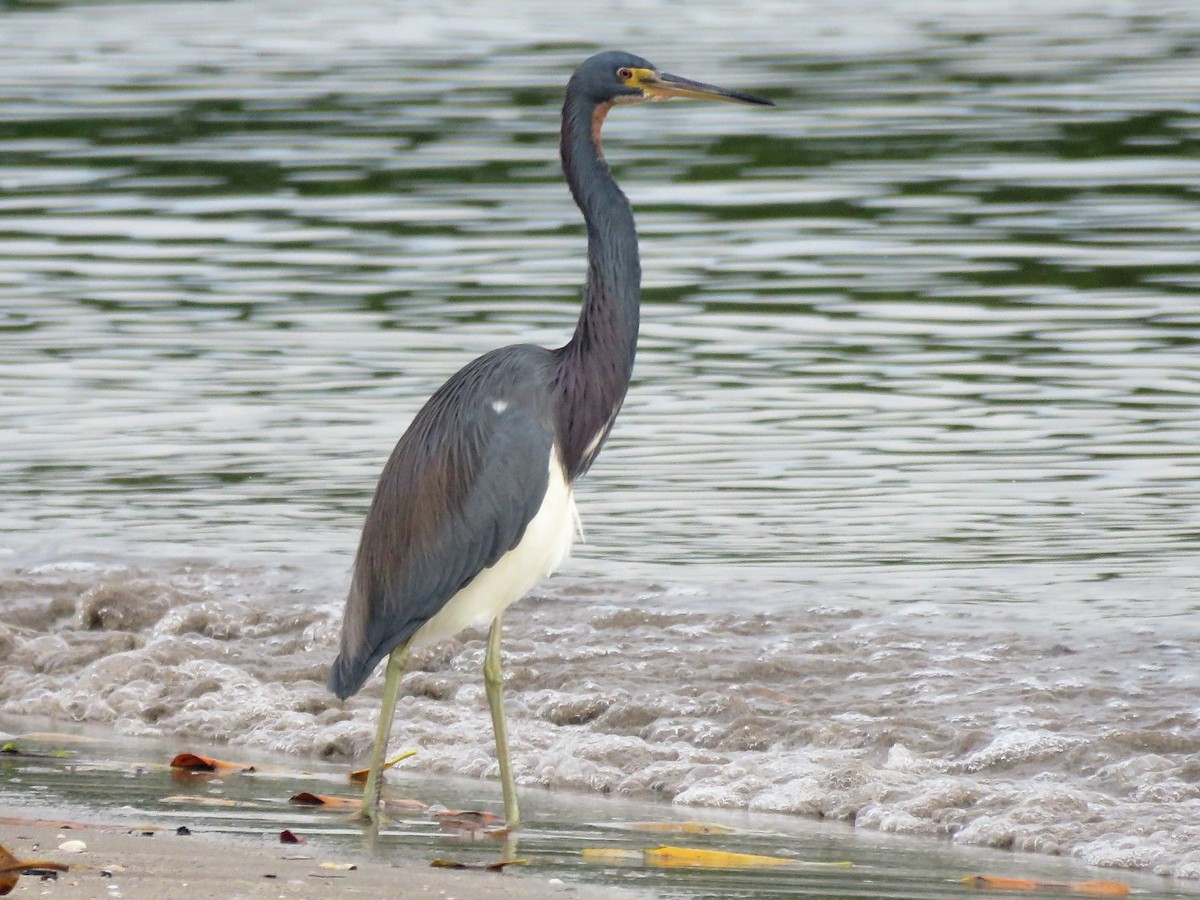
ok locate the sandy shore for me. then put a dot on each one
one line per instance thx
(160, 864)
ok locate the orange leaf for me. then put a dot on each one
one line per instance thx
(192, 762)
(1088, 888)
(11, 869)
(304, 798)
(330, 801)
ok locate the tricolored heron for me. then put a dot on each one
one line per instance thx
(475, 505)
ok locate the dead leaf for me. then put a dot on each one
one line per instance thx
(1087, 888)
(673, 857)
(359, 776)
(192, 762)
(340, 867)
(304, 798)
(498, 866)
(12, 868)
(332, 802)
(287, 836)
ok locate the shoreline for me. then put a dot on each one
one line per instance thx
(151, 863)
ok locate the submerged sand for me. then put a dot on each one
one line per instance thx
(137, 864)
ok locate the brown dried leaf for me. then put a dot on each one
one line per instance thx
(498, 866)
(287, 836)
(11, 869)
(305, 798)
(192, 762)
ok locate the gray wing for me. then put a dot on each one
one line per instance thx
(456, 494)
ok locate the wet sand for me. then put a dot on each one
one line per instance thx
(151, 865)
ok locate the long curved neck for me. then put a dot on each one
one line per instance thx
(593, 369)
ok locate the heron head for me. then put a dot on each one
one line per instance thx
(618, 77)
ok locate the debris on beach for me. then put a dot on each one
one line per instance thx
(1086, 888)
(668, 857)
(359, 776)
(194, 762)
(306, 798)
(673, 857)
(11, 748)
(11, 869)
(498, 866)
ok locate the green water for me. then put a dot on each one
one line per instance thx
(936, 312)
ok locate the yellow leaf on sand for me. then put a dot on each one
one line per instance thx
(671, 857)
(680, 827)
(359, 776)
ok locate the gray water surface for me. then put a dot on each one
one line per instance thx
(915, 405)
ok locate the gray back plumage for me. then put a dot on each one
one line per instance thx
(456, 494)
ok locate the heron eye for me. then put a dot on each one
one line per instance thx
(624, 73)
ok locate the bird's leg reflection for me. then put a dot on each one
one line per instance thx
(397, 663)
(509, 851)
(493, 682)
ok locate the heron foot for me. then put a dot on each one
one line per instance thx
(367, 819)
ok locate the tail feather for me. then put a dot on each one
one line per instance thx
(348, 675)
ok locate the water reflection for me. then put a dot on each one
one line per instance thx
(935, 314)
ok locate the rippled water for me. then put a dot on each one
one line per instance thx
(898, 525)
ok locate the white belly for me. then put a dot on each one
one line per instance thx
(545, 544)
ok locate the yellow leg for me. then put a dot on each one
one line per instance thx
(397, 662)
(493, 683)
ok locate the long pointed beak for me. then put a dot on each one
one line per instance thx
(664, 86)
